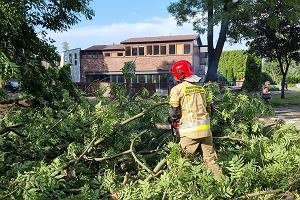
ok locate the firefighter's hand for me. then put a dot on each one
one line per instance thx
(175, 124)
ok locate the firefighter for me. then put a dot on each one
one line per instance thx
(188, 110)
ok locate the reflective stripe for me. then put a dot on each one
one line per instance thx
(174, 102)
(196, 128)
(193, 124)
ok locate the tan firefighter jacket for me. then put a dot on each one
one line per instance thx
(189, 98)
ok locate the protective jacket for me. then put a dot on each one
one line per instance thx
(189, 101)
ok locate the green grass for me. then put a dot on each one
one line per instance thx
(291, 99)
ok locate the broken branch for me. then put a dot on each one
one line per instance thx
(142, 113)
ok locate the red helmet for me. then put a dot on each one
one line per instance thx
(182, 69)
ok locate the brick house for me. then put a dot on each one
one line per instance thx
(153, 57)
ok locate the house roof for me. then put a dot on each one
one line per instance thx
(174, 38)
(114, 47)
(95, 48)
(105, 47)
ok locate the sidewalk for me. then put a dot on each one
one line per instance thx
(291, 115)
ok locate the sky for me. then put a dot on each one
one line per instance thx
(117, 20)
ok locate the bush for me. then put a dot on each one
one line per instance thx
(293, 78)
(253, 73)
(232, 65)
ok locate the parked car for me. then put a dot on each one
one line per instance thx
(12, 85)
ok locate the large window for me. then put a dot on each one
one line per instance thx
(187, 48)
(149, 50)
(172, 49)
(141, 51)
(141, 78)
(75, 55)
(156, 49)
(163, 50)
(155, 78)
(128, 51)
(134, 51)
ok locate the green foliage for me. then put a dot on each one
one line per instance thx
(24, 27)
(238, 65)
(233, 65)
(253, 73)
(32, 166)
(128, 69)
(8, 69)
(49, 84)
(293, 78)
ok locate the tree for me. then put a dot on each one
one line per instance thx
(232, 15)
(65, 46)
(279, 39)
(24, 24)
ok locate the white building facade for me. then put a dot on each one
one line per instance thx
(72, 57)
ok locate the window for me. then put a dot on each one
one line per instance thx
(141, 51)
(187, 48)
(107, 54)
(134, 51)
(120, 54)
(179, 49)
(155, 78)
(163, 50)
(149, 50)
(127, 51)
(70, 58)
(75, 62)
(94, 55)
(141, 78)
(172, 49)
(113, 79)
(75, 55)
(156, 49)
(203, 54)
(120, 79)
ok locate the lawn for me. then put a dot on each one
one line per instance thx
(291, 98)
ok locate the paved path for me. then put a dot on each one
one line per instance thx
(291, 114)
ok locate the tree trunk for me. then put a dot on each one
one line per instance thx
(282, 85)
(214, 54)
(212, 69)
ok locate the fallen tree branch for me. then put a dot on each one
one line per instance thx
(75, 161)
(259, 193)
(19, 102)
(9, 194)
(231, 138)
(142, 113)
(108, 157)
(4, 131)
(256, 194)
(135, 157)
(126, 177)
(157, 169)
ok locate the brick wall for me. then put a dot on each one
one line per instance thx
(143, 63)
